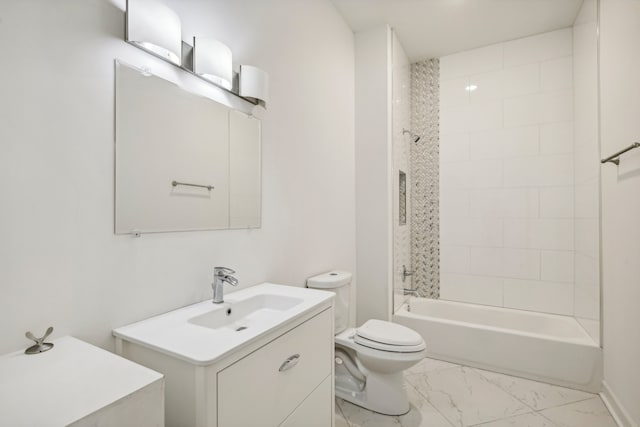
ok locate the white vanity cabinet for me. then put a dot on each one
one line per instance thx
(282, 378)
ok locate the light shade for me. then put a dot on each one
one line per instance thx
(254, 83)
(213, 61)
(154, 27)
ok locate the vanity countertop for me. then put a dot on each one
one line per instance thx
(65, 384)
(179, 334)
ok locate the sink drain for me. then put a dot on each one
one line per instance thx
(241, 328)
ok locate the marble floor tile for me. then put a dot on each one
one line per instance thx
(526, 420)
(422, 413)
(360, 417)
(429, 365)
(465, 397)
(587, 413)
(340, 420)
(535, 394)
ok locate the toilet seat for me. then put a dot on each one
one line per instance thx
(387, 336)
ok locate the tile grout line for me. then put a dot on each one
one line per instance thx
(426, 399)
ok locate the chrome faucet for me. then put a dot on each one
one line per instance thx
(222, 275)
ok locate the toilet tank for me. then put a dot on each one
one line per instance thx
(337, 282)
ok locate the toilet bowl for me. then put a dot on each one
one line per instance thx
(370, 359)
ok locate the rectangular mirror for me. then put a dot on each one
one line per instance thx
(183, 161)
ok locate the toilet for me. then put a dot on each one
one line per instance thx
(369, 360)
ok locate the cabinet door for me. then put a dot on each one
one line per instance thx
(262, 389)
(316, 410)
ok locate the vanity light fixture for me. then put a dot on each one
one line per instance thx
(213, 61)
(155, 28)
(254, 83)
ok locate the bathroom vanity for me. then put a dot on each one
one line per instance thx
(262, 358)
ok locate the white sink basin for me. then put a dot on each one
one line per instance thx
(241, 315)
(203, 333)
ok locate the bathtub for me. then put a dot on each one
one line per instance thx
(542, 347)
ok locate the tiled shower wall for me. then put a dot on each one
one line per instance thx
(506, 174)
(586, 169)
(401, 150)
(425, 237)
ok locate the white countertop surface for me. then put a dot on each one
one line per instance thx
(67, 383)
(172, 333)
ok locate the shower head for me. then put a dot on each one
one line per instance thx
(413, 136)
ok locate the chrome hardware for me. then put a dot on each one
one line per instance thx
(222, 275)
(40, 346)
(614, 157)
(289, 363)
(176, 183)
(406, 272)
(412, 292)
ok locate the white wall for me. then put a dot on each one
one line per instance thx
(506, 174)
(620, 126)
(373, 173)
(61, 264)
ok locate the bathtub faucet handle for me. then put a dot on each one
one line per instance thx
(406, 272)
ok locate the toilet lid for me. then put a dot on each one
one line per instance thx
(389, 335)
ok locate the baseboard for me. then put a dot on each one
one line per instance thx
(620, 415)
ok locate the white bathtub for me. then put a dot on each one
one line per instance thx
(543, 347)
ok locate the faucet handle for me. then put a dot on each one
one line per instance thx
(221, 271)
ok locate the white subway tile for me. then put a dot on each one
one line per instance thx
(557, 266)
(516, 233)
(454, 147)
(538, 48)
(485, 261)
(485, 203)
(454, 203)
(548, 297)
(521, 172)
(471, 232)
(557, 74)
(454, 259)
(556, 138)
(519, 203)
(473, 289)
(587, 303)
(521, 111)
(484, 116)
(521, 263)
(486, 87)
(471, 62)
(553, 234)
(454, 119)
(554, 170)
(586, 203)
(587, 271)
(556, 202)
(453, 92)
(522, 80)
(555, 107)
(587, 237)
(486, 145)
(487, 173)
(520, 141)
(455, 175)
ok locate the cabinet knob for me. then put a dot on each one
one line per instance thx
(289, 362)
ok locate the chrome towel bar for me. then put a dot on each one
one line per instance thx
(176, 183)
(614, 158)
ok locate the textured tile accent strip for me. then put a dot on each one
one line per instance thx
(425, 224)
